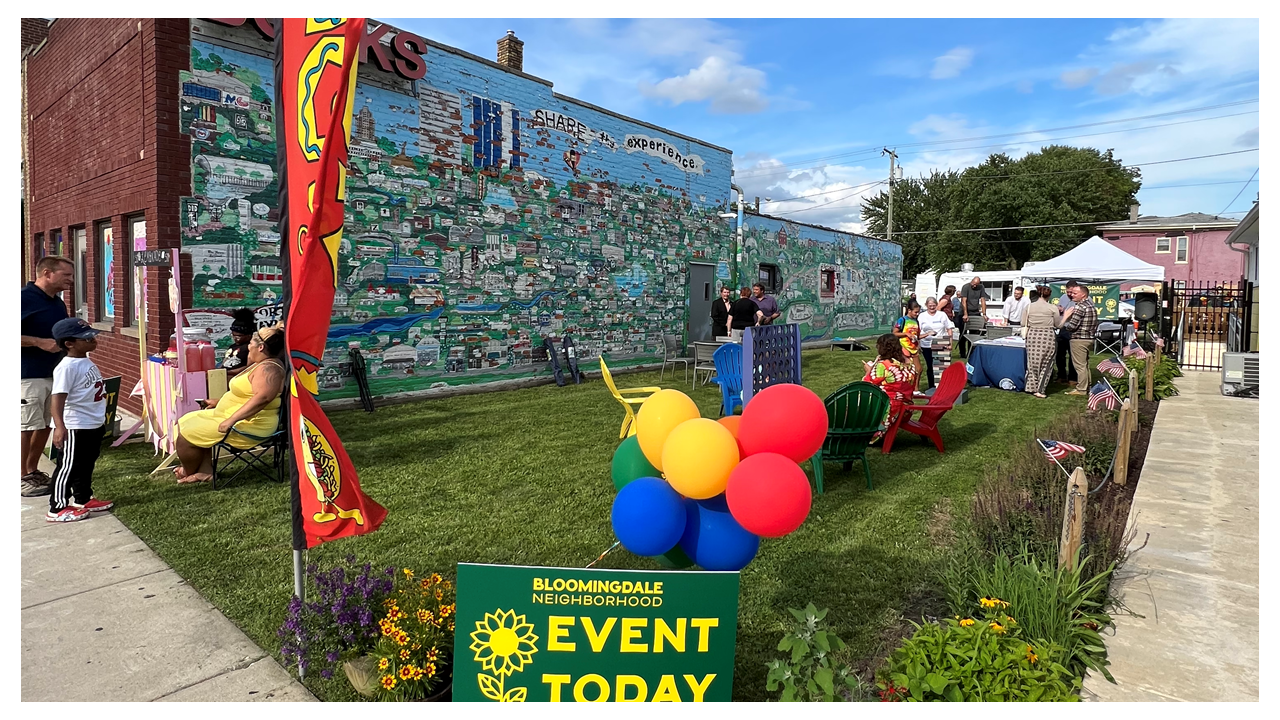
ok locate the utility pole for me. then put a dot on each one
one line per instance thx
(893, 169)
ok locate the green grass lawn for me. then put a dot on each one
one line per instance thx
(522, 477)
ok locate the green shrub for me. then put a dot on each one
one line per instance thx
(975, 661)
(817, 668)
(1055, 606)
(1161, 378)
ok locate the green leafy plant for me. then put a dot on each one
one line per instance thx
(816, 669)
(1161, 378)
(972, 660)
(1055, 606)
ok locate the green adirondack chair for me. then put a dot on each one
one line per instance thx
(854, 413)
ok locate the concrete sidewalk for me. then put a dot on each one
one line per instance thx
(1196, 581)
(99, 607)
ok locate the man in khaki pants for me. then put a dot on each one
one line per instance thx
(41, 309)
(1082, 321)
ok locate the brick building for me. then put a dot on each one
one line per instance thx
(1189, 247)
(485, 211)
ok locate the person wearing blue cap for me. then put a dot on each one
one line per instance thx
(79, 420)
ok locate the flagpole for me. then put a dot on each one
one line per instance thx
(1054, 459)
(299, 540)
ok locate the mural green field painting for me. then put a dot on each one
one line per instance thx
(832, 284)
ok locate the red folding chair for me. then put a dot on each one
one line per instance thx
(950, 385)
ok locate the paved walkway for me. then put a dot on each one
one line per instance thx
(104, 618)
(1196, 581)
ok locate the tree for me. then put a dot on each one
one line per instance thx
(388, 147)
(1056, 186)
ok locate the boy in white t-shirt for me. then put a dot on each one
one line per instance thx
(79, 417)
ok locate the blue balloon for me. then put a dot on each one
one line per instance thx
(713, 539)
(648, 516)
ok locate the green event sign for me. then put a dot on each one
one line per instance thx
(1105, 297)
(539, 634)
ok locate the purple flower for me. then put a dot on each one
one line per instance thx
(326, 674)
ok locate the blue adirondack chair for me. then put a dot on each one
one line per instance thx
(728, 362)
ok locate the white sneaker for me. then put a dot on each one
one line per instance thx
(70, 513)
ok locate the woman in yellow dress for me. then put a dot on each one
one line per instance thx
(251, 404)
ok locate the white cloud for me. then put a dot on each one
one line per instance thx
(1078, 78)
(732, 88)
(1248, 139)
(829, 195)
(952, 63)
(1025, 86)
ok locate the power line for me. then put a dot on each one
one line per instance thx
(870, 151)
(829, 202)
(1072, 137)
(1237, 197)
(1012, 227)
(1163, 187)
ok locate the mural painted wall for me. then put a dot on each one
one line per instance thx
(833, 284)
(484, 213)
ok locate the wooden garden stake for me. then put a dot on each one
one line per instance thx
(1133, 396)
(1073, 519)
(1122, 446)
(1151, 378)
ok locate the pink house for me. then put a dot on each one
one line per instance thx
(1190, 247)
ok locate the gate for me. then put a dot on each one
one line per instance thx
(1200, 321)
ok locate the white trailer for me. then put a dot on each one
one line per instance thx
(999, 285)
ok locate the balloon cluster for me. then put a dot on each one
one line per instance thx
(695, 491)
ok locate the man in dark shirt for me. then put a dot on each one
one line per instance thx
(744, 313)
(768, 306)
(41, 309)
(1082, 321)
(720, 313)
(973, 310)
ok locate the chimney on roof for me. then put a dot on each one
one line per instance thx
(511, 51)
(1133, 213)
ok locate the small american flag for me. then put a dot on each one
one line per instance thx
(1102, 394)
(1113, 367)
(1159, 342)
(1135, 350)
(1055, 450)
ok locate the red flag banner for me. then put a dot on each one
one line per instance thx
(316, 85)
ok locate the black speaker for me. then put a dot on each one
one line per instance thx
(1146, 306)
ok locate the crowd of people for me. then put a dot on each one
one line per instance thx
(62, 394)
(753, 308)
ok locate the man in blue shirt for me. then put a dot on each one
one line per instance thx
(768, 306)
(42, 308)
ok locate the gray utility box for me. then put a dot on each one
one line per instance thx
(1240, 373)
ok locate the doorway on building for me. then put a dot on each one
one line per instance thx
(702, 290)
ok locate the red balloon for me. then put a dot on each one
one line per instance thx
(785, 419)
(769, 495)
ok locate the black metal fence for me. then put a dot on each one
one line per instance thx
(1200, 321)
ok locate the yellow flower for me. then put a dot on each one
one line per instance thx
(423, 616)
(439, 594)
(417, 673)
(450, 626)
(408, 573)
(997, 628)
(404, 654)
(1031, 655)
(503, 642)
(406, 672)
(430, 669)
(402, 638)
(435, 578)
(446, 610)
(966, 622)
(416, 646)
(383, 663)
(1010, 620)
(389, 681)
(432, 654)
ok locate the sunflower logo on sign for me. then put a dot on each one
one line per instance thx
(504, 644)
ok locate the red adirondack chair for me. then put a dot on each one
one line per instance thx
(944, 397)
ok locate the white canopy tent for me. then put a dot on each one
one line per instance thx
(1095, 260)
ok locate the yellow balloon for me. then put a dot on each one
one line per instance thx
(698, 457)
(658, 416)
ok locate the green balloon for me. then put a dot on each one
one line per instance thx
(674, 559)
(629, 463)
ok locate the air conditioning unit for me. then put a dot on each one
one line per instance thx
(1240, 374)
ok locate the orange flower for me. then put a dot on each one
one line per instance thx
(389, 681)
(406, 672)
(404, 654)
(430, 669)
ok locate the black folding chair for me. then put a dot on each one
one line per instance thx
(267, 456)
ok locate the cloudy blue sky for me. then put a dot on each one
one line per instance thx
(806, 105)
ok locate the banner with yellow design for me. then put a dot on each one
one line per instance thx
(543, 634)
(316, 62)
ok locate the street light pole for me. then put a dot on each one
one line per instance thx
(893, 159)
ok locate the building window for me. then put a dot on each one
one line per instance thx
(106, 271)
(1181, 256)
(80, 248)
(137, 240)
(768, 277)
(1162, 245)
(827, 283)
(55, 241)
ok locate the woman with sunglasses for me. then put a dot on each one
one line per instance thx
(251, 405)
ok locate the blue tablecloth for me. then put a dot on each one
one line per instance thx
(990, 363)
